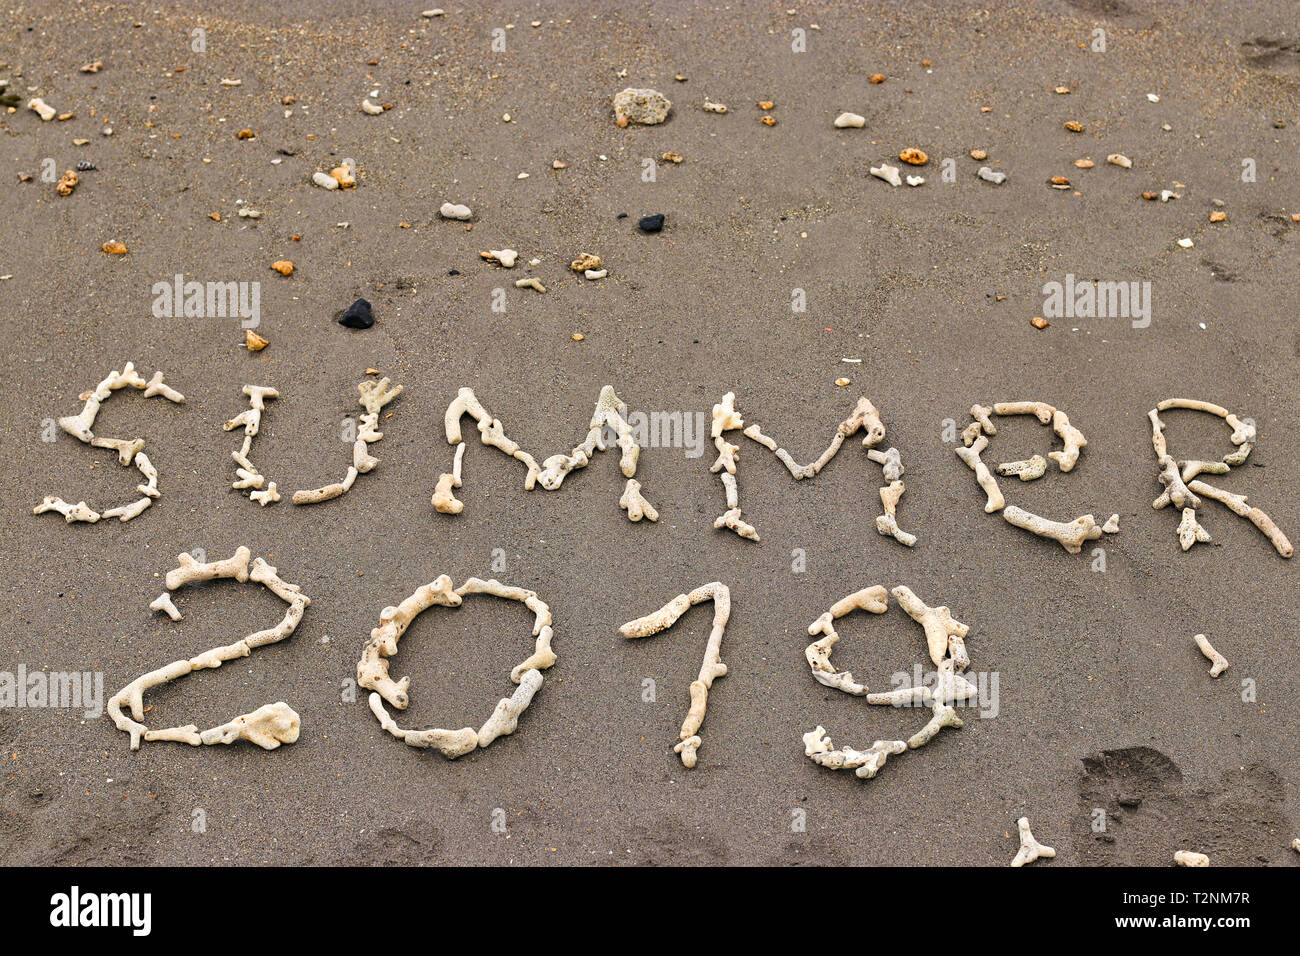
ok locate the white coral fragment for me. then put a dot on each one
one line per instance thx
(937, 622)
(1030, 849)
(971, 456)
(1238, 505)
(1215, 658)
(874, 599)
(1026, 470)
(1191, 858)
(1070, 534)
(944, 716)
(163, 603)
(865, 763)
(634, 503)
(888, 173)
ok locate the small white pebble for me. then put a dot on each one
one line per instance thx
(1186, 243)
(324, 180)
(850, 121)
(596, 273)
(1153, 98)
(454, 211)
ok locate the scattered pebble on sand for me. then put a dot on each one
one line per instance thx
(584, 262)
(594, 274)
(850, 121)
(450, 210)
(1039, 322)
(1186, 243)
(1119, 159)
(67, 183)
(532, 282)
(254, 342)
(283, 266)
(645, 106)
(913, 156)
(1084, 163)
(358, 315)
(1218, 215)
(1074, 126)
(877, 78)
(370, 108)
(990, 176)
(114, 247)
(979, 155)
(653, 223)
(324, 180)
(714, 107)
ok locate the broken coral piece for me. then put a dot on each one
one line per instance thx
(971, 456)
(944, 716)
(163, 603)
(1190, 531)
(865, 763)
(941, 628)
(1030, 849)
(1218, 660)
(268, 726)
(712, 666)
(372, 669)
(634, 503)
(1026, 470)
(874, 599)
(1070, 534)
(78, 512)
(887, 523)
(1238, 505)
(1191, 858)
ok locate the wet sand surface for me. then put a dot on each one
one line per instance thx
(1103, 700)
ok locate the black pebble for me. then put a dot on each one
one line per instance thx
(358, 315)
(621, 215)
(651, 223)
(453, 272)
